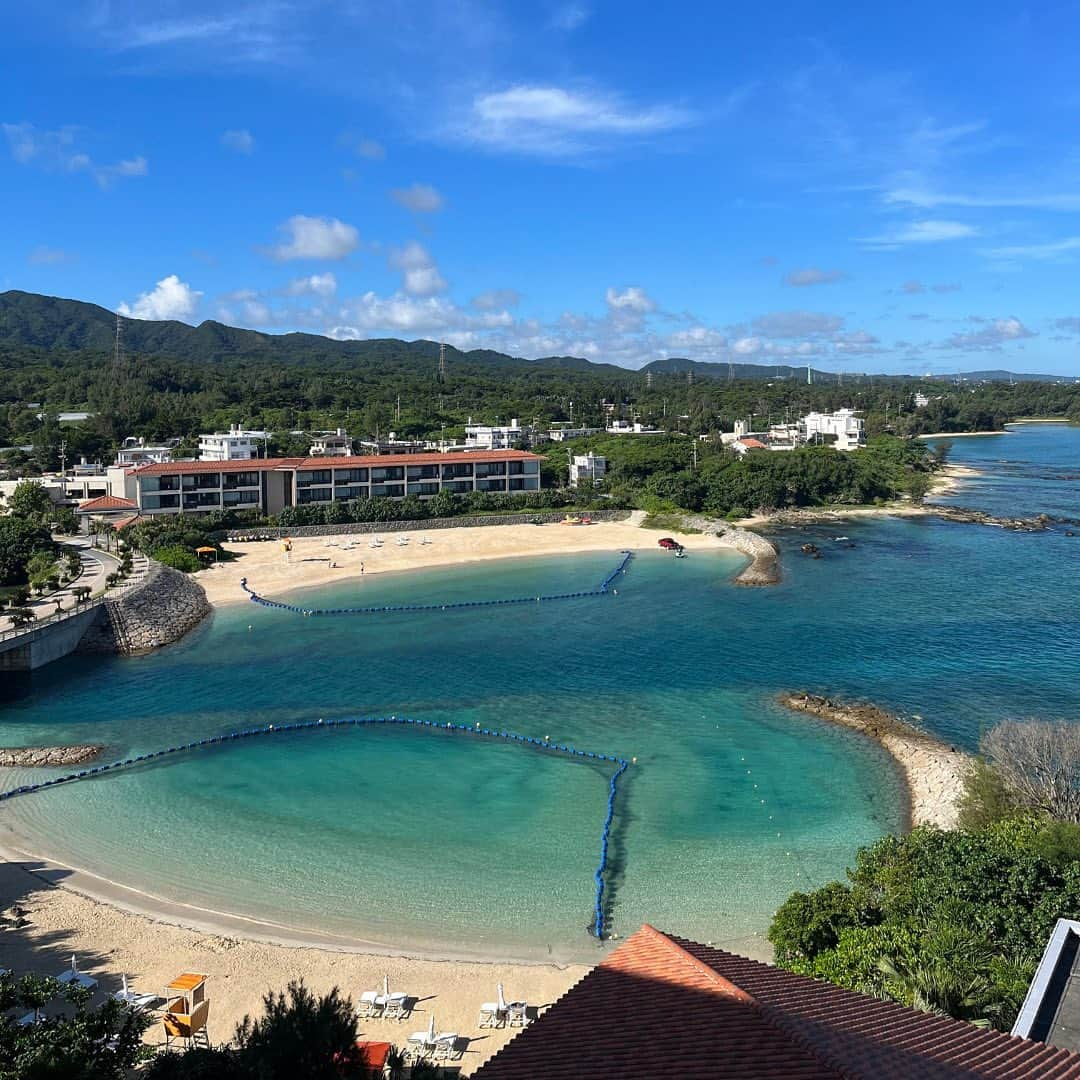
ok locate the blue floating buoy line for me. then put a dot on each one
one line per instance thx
(364, 721)
(600, 590)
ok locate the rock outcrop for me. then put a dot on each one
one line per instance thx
(33, 757)
(934, 772)
(764, 568)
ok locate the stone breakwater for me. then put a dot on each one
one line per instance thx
(33, 757)
(764, 568)
(157, 611)
(933, 771)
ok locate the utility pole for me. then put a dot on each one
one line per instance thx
(63, 467)
(809, 376)
(116, 346)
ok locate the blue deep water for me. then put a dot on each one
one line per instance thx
(421, 840)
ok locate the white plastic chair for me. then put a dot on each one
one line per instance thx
(446, 1047)
(369, 1004)
(491, 1016)
(516, 1014)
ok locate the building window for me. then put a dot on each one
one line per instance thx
(491, 468)
(387, 491)
(350, 493)
(201, 500)
(241, 479)
(458, 487)
(423, 472)
(200, 481)
(452, 472)
(430, 488)
(498, 484)
(241, 498)
(161, 502)
(350, 476)
(314, 494)
(313, 476)
(391, 472)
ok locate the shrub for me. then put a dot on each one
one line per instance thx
(178, 557)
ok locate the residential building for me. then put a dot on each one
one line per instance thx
(270, 484)
(587, 470)
(111, 509)
(841, 429)
(137, 452)
(393, 445)
(494, 437)
(1051, 1011)
(563, 432)
(746, 444)
(331, 444)
(661, 1005)
(68, 417)
(235, 445)
(632, 427)
(83, 483)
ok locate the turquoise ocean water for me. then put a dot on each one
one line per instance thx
(427, 841)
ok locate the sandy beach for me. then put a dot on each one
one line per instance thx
(313, 562)
(43, 925)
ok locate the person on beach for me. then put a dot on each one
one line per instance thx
(361, 567)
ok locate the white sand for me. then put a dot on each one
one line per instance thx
(109, 942)
(263, 563)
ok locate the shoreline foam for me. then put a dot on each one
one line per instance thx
(932, 770)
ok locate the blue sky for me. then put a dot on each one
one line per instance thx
(861, 187)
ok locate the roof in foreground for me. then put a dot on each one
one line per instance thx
(664, 1006)
(366, 461)
(1051, 1010)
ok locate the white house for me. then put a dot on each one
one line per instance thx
(841, 429)
(506, 437)
(627, 427)
(236, 445)
(564, 432)
(587, 470)
(331, 444)
(136, 452)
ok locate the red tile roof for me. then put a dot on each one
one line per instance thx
(753, 444)
(664, 1006)
(123, 523)
(107, 502)
(369, 461)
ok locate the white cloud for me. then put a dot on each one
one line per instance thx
(420, 198)
(420, 275)
(812, 275)
(46, 256)
(370, 150)
(313, 285)
(632, 299)
(913, 288)
(496, 299)
(240, 140)
(993, 334)
(551, 120)
(55, 151)
(921, 232)
(930, 200)
(569, 17)
(171, 298)
(1036, 251)
(315, 238)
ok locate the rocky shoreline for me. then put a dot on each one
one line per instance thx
(34, 757)
(933, 771)
(764, 568)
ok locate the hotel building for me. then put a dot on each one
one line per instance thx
(270, 484)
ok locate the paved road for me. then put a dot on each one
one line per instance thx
(96, 566)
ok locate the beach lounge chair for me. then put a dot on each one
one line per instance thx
(493, 1013)
(375, 542)
(74, 975)
(517, 1014)
(395, 1006)
(370, 1004)
(402, 541)
(446, 1047)
(126, 996)
(425, 540)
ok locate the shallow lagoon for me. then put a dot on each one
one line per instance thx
(446, 844)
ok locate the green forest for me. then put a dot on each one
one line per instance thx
(169, 380)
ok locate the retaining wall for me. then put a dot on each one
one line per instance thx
(424, 524)
(157, 611)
